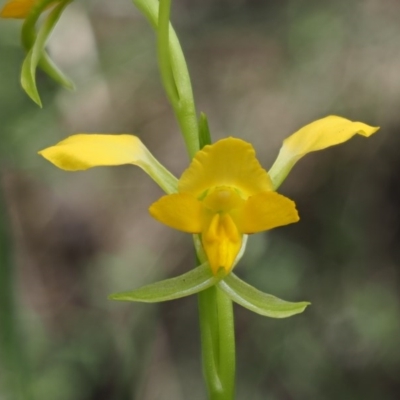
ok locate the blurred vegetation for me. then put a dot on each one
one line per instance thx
(261, 70)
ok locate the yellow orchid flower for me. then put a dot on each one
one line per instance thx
(17, 9)
(225, 193)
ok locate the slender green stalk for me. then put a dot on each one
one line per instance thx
(209, 341)
(164, 60)
(215, 308)
(227, 352)
(11, 355)
(174, 72)
(218, 343)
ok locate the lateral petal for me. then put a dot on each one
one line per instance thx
(265, 211)
(228, 162)
(318, 135)
(180, 211)
(83, 151)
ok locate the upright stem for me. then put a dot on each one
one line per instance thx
(173, 68)
(215, 308)
(227, 352)
(218, 343)
(164, 59)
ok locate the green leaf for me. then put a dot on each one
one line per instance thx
(204, 131)
(28, 36)
(36, 53)
(184, 285)
(28, 78)
(257, 301)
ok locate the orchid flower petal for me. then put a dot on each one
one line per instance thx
(266, 210)
(318, 135)
(180, 211)
(83, 151)
(228, 162)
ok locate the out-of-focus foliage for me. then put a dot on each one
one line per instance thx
(261, 70)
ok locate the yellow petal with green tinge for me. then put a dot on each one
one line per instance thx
(180, 211)
(221, 242)
(228, 162)
(265, 211)
(17, 9)
(83, 151)
(318, 135)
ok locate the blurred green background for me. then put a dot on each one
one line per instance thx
(261, 69)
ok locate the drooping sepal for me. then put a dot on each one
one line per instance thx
(192, 282)
(257, 301)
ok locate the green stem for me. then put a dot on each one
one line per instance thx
(11, 353)
(227, 353)
(174, 72)
(164, 60)
(218, 343)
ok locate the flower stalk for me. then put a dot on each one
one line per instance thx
(217, 333)
(174, 72)
(164, 58)
(218, 343)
